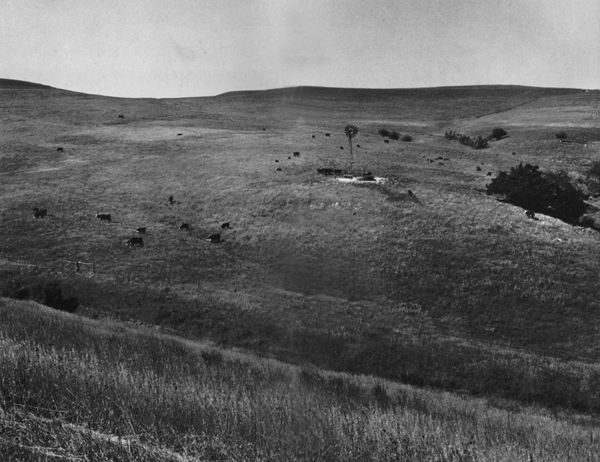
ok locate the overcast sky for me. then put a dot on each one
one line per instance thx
(175, 48)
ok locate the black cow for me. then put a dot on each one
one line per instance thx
(276, 160)
(171, 201)
(179, 134)
(103, 216)
(121, 116)
(296, 153)
(386, 141)
(225, 226)
(184, 226)
(327, 134)
(530, 214)
(489, 173)
(60, 150)
(140, 230)
(325, 171)
(278, 169)
(478, 168)
(289, 158)
(135, 241)
(358, 145)
(264, 129)
(410, 193)
(39, 213)
(214, 238)
(313, 136)
(514, 153)
(342, 148)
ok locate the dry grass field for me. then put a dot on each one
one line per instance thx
(449, 289)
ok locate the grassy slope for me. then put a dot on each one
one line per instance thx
(364, 279)
(71, 387)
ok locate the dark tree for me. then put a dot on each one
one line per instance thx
(550, 193)
(561, 135)
(498, 133)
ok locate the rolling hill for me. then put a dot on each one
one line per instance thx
(448, 288)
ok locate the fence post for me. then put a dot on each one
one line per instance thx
(77, 263)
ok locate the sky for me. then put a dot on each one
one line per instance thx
(183, 48)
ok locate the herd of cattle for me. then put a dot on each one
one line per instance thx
(138, 241)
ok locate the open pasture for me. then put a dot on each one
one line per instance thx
(313, 270)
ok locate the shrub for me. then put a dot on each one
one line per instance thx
(407, 138)
(587, 222)
(594, 170)
(49, 294)
(16, 289)
(498, 133)
(384, 132)
(561, 135)
(475, 143)
(479, 143)
(551, 193)
(394, 135)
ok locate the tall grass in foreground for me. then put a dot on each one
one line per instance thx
(74, 387)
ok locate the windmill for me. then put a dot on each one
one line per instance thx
(351, 131)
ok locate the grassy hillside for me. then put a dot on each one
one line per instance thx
(71, 387)
(449, 288)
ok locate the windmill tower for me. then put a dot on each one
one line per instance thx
(351, 131)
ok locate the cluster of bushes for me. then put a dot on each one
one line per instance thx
(48, 293)
(476, 143)
(545, 192)
(394, 135)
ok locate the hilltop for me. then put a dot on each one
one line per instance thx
(425, 289)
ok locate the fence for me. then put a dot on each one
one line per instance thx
(79, 265)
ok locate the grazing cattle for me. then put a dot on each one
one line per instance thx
(264, 129)
(358, 145)
(39, 213)
(325, 171)
(278, 169)
(530, 214)
(489, 173)
(296, 153)
(179, 134)
(225, 226)
(313, 136)
(327, 134)
(60, 150)
(214, 238)
(478, 168)
(121, 116)
(514, 153)
(140, 230)
(103, 216)
(276, 160)
(289, 158)
(171, 201)
(184, 226)
(135, 241)
(386, 141)
(410, 193)
(342, 148)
